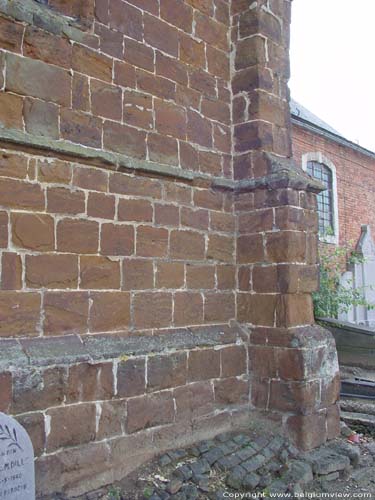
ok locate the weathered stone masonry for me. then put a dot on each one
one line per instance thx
(158, 245)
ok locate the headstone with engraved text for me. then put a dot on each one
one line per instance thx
(361, 276)
(17, 476)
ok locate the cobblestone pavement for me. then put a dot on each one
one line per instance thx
(235, 464)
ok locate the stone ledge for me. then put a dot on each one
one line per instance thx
(29, 11)
(283, 172)
(69, 150)
(70, 349)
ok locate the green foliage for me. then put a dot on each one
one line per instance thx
(333, 298)
(147, 492)
(114, 493)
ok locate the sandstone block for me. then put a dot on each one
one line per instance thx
(21, 195)
(131, 378)
(152, 310)
(203, 364)
(89, 382)
(11, 271)
(136, 210)
(51, 271)
(187, 245)
(19, 314)
(78, 236)
(99, 272)
(71, 426)
(37, 79)
(65, 312)
(41, 118)
(110, 311)
(188, 308)
(233, 361)
(116, 239)
(164, 372)
(65, 201)
(149, 411)
(169, 275)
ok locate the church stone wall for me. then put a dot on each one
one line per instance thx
(158, 245)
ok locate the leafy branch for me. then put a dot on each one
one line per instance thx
(333, 297)
(7, 435)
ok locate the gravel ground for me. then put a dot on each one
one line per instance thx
(246, 465)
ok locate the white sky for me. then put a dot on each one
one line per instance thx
(333, 64)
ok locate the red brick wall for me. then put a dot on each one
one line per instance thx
(86, 250)
(93, 247)
(148, 81)
(83, 10)
(129, 249)
(355, 181)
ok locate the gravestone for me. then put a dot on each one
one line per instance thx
(17, 476)
(362, 276)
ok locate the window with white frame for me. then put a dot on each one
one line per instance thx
(322, 169)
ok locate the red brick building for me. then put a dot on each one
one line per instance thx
(158, 243)
(349, 201)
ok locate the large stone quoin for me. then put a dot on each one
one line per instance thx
(158, 244)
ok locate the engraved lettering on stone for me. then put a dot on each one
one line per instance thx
(17, 476)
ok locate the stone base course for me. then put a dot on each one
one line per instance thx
(147, 201)
(250, 461)
(89, 402)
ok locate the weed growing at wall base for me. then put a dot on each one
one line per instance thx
(333, 297)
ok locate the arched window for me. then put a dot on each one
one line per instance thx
(322, 169)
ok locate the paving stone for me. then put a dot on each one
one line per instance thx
(213, 455)
(235, 478)
(262, 471)
(324, 461)
(265, 480)
(268, 453)
(201, 481)
(277, 486)
(200, 467)
(225, 448)
(194, 452)
(183, 472)
(246, 453)
(260, 442)
(232, 446)
(299, 472)
(297, 491)
(251, 481)
(178, 496)
(204, 446)
(174, 486)
(370, 447)
(228, 463)
(284, 456)
(218, 495)
(254, 463)
(241, 439)
(276, 444)
(164, 460)
(190, 491)
(275, 466)
(363, 476)
(331, 477)
(293, 451)
(225, 436)
(177, 455)
(350, 450)
(163, 494)
(366, 461)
